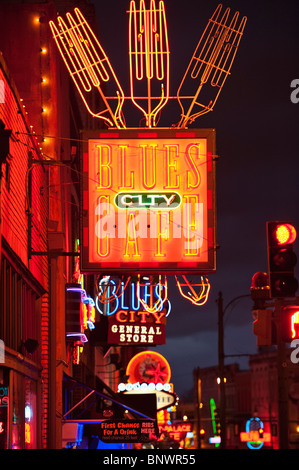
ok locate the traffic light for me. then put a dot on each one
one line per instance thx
(262, 327)
(281, 259)
(289, 323)
(202, 433)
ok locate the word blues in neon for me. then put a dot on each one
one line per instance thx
(127, 299)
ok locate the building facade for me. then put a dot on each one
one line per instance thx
(40, 122)
(251, 396)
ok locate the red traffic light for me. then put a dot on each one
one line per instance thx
(285, 234)
(281, 233)
(281, 259)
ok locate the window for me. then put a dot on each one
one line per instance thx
(19, 316)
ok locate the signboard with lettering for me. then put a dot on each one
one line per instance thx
(148, 203)
(124, 329)
(176, 431)
(165, 398)
(125, 431)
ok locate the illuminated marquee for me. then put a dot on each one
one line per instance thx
(175, 431)
(148, 202)
(165, 398)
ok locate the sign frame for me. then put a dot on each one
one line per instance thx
(138, 431)
(165, 266)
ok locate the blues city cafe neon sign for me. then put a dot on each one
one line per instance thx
(148, 202)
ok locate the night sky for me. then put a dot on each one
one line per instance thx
(257, 171)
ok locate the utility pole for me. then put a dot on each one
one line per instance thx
(221, 356)
(282, 375)
(222, 404)
(197, 396)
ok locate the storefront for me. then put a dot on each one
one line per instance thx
(20, 419)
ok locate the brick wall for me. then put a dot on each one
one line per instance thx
(15, 211)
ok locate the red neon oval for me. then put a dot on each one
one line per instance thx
(148, 367)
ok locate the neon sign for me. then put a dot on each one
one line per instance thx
(165, 398)
(214, 424)
(149, 57)
(3, 396)
(176, 431)
(148, 202)
(124, 330)
(145, 387)
(255, 435)
(149, 63)
(294, 321)
(133, 296)
(86, 311)
(88, 65)
(148, 366)
(166, 200)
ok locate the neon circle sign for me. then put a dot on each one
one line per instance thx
(148, 367)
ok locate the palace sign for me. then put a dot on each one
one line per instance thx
(175, 431)
(148, 202)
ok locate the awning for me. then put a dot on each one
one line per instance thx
(143, 407)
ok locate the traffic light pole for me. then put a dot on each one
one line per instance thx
(221, 357)
(283, 412)
(222, 404)
(197, 396)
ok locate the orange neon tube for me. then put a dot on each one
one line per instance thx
(196, 299)
(87, 63)
(149, 55)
